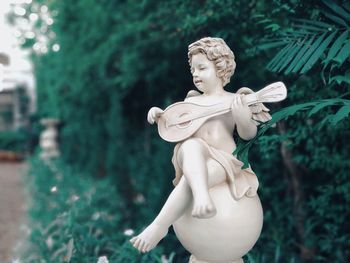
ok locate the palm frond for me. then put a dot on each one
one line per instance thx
(340, 79)
(343, 54)
(318, 52)
(337, 9)
(342, 113)
(243, 148)
(336, 19)
(308, 42)
(336, 47)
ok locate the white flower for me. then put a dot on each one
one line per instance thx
(53, 189)
(140, 199)
(75, 198)
(128, 232)
(49, 242)
(96, 216)
(164, 259)
(102, 259)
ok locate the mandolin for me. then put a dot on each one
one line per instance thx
(182, 119)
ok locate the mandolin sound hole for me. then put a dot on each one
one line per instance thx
(185, 124)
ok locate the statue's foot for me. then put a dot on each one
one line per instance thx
(149, 237)
(203, 207)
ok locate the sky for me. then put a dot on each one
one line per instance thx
(8, 42)
(6, 38)
(20, 68)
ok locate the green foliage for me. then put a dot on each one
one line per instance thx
(313, 107)
(72, 218)
(14, 141)
(308, 41)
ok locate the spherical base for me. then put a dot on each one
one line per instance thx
(227, 236)
(193, 259)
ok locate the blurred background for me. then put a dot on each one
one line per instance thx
(77, 79)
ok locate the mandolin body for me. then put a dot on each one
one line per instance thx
(179, 132)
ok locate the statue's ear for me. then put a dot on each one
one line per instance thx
(193, 93)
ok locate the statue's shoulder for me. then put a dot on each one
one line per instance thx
(191, 96)
(192, 93)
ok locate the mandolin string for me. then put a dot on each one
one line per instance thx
(208, 113)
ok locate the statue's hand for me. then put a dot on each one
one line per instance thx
(154, 114)
(240, 110)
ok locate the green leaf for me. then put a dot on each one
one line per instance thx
(278, 57)
(324, 121)
(271, 45)
(315, 23)
(336, 19)
(295, 34)
(318, 52)
(258, 16)
(342, 113)
(320, 106)
(309, 52)
(299, 55)
(309, 28)
(336, 47)
(287, 57)
(291, 110)
(291, 56)
(266, 20)
(337, 9)
(340, 79)
(273, 27)
(343, 53)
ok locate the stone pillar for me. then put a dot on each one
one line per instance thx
(48, 139)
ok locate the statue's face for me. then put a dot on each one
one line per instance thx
(204, 73)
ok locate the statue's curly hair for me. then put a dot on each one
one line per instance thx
(217, 51)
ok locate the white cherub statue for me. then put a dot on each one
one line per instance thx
(214, 207)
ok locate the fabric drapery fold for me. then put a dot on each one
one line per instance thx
(242, 182)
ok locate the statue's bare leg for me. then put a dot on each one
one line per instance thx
(180, 197)
(193, 158)
(173, 208)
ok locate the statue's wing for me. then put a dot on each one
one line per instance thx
(259, 110)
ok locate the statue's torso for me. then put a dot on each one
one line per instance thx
(217, 131)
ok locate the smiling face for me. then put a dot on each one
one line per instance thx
(204, 74)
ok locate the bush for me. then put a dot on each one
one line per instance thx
(15, 141)
(74, 218)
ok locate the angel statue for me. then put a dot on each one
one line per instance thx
(214, 208)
